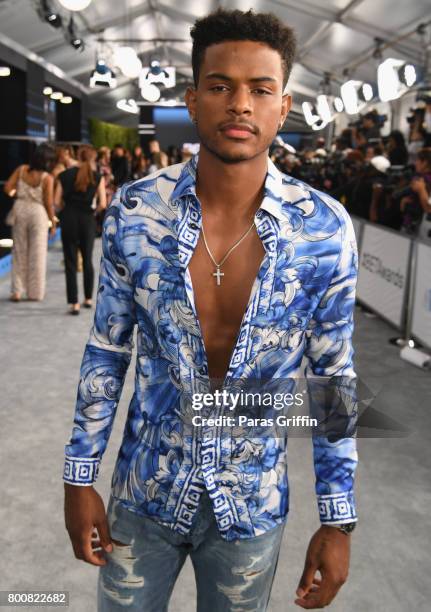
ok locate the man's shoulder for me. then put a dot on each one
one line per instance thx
(143, 196)
(162, 181)
(299, 193)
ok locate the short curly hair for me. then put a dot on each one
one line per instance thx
(222, 26)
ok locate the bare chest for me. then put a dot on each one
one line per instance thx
(221, 307)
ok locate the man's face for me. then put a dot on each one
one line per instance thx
(238, 103)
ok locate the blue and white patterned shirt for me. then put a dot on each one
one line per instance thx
(301, 303)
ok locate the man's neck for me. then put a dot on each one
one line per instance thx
(230, 189)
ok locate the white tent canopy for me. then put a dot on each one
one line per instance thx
(333, 36)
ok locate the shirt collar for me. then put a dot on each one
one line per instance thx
(272, 201)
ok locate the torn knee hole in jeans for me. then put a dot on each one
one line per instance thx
(122, 550)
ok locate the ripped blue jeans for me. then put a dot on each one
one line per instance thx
(234, 576)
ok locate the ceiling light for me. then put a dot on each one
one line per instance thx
(323, 108)
(102, 76)
(129, 106)
(366, 92)
(47, 14)
(4, 71)
(338, 104)
(155, 74)
(350, 97)
(56, 95)
(128, 61)
(47, 91)
(150, 92)
(66, 100)
(309, 113)
(75, 5)
(388, 80)
(75, 40)
(407, 75)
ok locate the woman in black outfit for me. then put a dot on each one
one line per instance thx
(78, 188)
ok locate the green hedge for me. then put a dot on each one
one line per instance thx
(104, 134)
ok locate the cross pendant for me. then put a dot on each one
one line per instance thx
(218, 274)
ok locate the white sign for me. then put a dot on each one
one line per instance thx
(357, 226)
(383, 266)
(421, 319)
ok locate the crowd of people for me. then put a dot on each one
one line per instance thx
(383, 180)
(70, 187)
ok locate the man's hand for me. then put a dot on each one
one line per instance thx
(86, 523)
(328, 552)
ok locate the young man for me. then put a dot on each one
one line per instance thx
(230, 270)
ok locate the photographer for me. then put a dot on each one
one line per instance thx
(415, 204)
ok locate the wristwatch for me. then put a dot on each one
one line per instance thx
(344, 527)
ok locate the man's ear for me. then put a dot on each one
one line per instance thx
(286, 105)
(190, 100)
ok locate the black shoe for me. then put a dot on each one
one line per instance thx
(85, 305)
(74, 312)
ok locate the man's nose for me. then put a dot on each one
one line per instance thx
(240, 101)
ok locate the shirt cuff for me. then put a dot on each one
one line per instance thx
(82, 471)
(337, 508)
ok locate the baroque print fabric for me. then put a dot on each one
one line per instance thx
(301, 304)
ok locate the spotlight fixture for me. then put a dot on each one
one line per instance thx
(47, 91)
(56, 95)
(129, 106)
(75, 5)
(350, 96)
(394, 77)
(102, 76)
(338, 104)
(50, 16)
(75, 40)
(66, 100)
(154, 73)
(128, 61)
(407, 75)
(366, 93)
(4, 71)
(150, 92)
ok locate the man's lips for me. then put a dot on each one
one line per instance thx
(237, 130)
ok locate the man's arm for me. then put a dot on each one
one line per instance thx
(330, 353)
(104, 366)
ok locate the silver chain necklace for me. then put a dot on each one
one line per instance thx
(217, 273)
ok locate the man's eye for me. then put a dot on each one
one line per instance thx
(218, 88)
(262, 91)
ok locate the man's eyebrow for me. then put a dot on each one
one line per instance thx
(224, 77)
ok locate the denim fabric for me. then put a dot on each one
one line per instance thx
(230, 576)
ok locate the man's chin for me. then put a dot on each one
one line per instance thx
(232, 156)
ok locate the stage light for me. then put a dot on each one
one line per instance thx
(349, 96)
(310, 115)
(323, 108)
(366, 92)
(150, 92)
(391, 86)
(4, 71)
(47, 91)
(56, 95)
(129, 106)
(75, 5)
(45, 12)
(75, 40)
(102, 76)
(66, 100)
(407, 75)
(155, 74)
(128, 61)
(338, 104)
